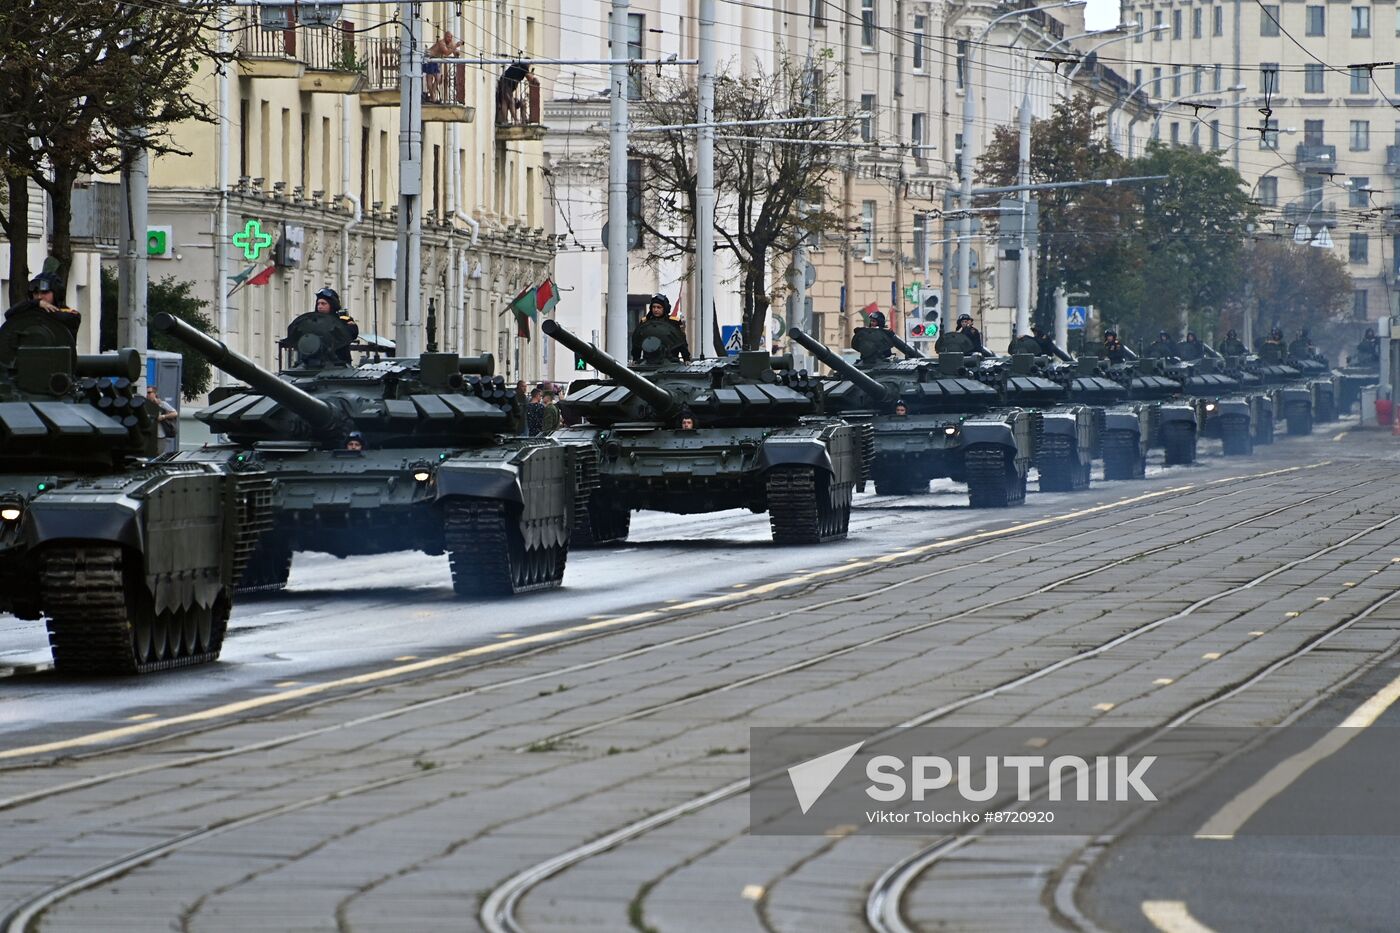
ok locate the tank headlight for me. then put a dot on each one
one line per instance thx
(950, 430)
(422, 475)
(1210, 406)
(10, 513)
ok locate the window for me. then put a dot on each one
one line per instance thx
(1312, 132)
(1268, 77)
(1176, 133)
(1360, 192)
(957, 154)
(1137, 77)
(1269, 138)
(919, 29)
(1176, 81)
(962, 63)
(1268, 21)
(916, 134)
(1217, 20)
(634, 203)
(1312, 191)
(1360, 22)
(867, 229)
(1360, 135)
(1317, 21)
(636, 48)
(1176, 24)
(1268, 191)
(1198, 75)
(1138, 24)
(1195, 135)
(815, 11)
(867, 119)
(1216, 81)
(1314, 79)
(1196, 18)
(867, 23)
(920, 239)
(1156, 87)
(1215, 134)
(1360, 80)
(1157, 25)
(1358, 305)
(1357, 251)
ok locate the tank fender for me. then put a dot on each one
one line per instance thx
(1060, 422)
(997, 433)
(117, 520)
(1122, 421)
(1172, 414)
(482, 481)
(797, 451)
(1232, 406)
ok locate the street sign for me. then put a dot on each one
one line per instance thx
(733, 337)
(1323, 240)
(252, 240)
(1301, 234)
(1075, 316)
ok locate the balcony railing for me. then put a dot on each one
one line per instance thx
(518, 108)
(97, 213)
(1316, 157)
(448, 86)
(259, 43)
(330, 49)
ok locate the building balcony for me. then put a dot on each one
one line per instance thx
(444, 86)
(1316, 157)
(268, 52)
(1313, 214)
(1392, 222)
(333, 62)
(97, 215)
(518, 109)
(1392, 160)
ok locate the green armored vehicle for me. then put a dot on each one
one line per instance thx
(709, 435)
(392, 455)
(132, 563)
(931, 419)
(1066, 432)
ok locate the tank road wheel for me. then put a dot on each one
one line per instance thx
(993, 479)
(806, 507)
(1057, 461)
(1236, 438)
(269, 566)
(1300, 420)
(487, 552)
(597, 524)
(1123, 456)
(1178, 443)
(102, 619)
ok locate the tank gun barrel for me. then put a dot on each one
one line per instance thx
(322, 417)
(818, 349)
(661, 401)
(903, 347)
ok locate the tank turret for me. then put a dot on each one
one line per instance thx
(752, 388)
(437, 398)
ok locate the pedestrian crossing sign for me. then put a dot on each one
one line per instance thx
(733, 337)
(1075, 316)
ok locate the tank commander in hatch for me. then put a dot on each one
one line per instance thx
(43, 291)
(659, 324)
(328, 302)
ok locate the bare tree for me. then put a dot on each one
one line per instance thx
(75, 77)
(771, 180)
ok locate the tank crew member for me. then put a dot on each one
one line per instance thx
(1272, 349)
(966, 339)
(1368, 351)
(355, 441)
(43, 292)
(1164, 347)
(1113, 351)
(1233, 345)
(1190, 348)
(873, 347)
(658, 323)
(1301, 348)
(328, 302)
(687, 420)
(1027, 343)
(973, 334)
(901, 409)
(549, 417)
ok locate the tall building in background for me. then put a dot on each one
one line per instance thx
(1327, 155)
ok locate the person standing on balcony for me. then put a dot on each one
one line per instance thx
(447, 46)
(511, 110)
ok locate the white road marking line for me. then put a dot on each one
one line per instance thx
(1173, 917)
(752, 892)
(1225, 823)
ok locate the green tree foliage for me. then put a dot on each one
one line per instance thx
(771, 194)
(75, 77)
(1088, 235)
(1193, 230)
(174, 298)
(1295, 286)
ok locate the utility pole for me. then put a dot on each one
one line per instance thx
(705, 178)
(1023, 177)
(408, 288)
(131, 275)
(965, 200)
(901, 173)
(615, 326)
(225, 81)
(1062, 318)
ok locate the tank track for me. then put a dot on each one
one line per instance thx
(1179, 444)
(1122, 456)
(1264, 430)
(991, 482)
(1057, 461)
(488, 555)
(1235, 437)
(803, 510)
(1100, 425)
(867, 455)
(101, 619)
(267, 567)
(1326, 407)
(1300, 420)
(254, 520)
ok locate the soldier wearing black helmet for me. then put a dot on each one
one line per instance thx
(1191, 348)
(328, 302)
(1164, 347)
(1301, 348)
(965, 339)
(1113, 350)
(1027, 343)
(671, 343)
(1232, 345)
(44, 290)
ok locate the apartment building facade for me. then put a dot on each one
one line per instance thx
(1326, 156)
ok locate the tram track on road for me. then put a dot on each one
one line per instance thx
(498, 910)
(145, 856)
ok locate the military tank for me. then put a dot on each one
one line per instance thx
(758, 441)
(436, 472)
(132, 563)
(1127, 410)
(953, 424)
(1066, 432)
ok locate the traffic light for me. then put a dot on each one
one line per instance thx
(580, 364)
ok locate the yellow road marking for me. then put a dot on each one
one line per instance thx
(1037, 742)
(1173, 917)
(1340, 436)
(752, 892)
(1227, 821)
(596, 624)
(291, 683)
(1255, 634)
(1103, 707)
(506, 635)
(1163, 681)
(407, 657)
(142, 717)
(1211, 656)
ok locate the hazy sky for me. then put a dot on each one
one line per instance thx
(1102, 14)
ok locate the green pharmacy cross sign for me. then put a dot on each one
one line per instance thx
(252, 240)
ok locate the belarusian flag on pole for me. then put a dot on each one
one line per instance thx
(546, 296)
(524, 308)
